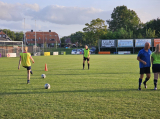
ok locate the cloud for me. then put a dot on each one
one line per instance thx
(53, 13)
(15, 12)
(68, 15)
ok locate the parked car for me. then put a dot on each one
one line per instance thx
(77, 51)
(74, 51)
(93, 50)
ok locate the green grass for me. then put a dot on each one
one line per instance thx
(107, 90)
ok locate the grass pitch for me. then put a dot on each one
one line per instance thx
(108, 90)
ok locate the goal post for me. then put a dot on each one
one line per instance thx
(11, 48)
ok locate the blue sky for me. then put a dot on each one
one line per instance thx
(67, 16)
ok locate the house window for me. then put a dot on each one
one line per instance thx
(0, 35)
(52, 39)
(3, 35)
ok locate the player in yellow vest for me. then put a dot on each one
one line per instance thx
(155, 59)
(25, 60)
(86, 56)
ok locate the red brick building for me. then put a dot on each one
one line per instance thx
(48, 38)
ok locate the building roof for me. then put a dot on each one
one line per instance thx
(2, 33)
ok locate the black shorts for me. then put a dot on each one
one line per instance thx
(85, 59)
(156, 68)
(28, 68)
(145, 70)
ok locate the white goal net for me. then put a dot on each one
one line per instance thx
(11, 48)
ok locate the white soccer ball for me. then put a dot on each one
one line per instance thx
(43, 76)
(47, 86)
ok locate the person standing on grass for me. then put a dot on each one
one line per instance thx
(144, 64)
(25, 60)
(86, 56)
(155, 59)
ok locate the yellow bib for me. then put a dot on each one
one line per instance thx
(25, 59)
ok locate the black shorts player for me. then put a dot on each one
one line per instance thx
(144, 64)
(86, 56)
(145, 70)
(86, 59)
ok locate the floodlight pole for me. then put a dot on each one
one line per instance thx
(56, 41)
(24, 33)
(35, 35)
(43, 42)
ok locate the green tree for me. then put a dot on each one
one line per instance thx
(94, 30)
(10, 34)
(19, 36)
(150, 33)
(15, 36)
(78, 37)
(140, 36)
(154, 25)
(124, 18)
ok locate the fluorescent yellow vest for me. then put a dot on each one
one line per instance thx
(25, 59)
(86, 53)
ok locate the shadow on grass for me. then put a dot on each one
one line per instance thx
(72, 91)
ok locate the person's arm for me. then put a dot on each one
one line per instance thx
(19, 63)
(138, 58)
(152, 60)
(88, 54)
(32, 59)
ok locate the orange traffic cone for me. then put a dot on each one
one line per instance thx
(46, 69)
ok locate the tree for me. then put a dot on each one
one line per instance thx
(124, 18)
(154, 25)
(63, 41)
(10, 34)
(19, 36)
(150, 33)
(78, 37)
(94, 30)
(15, 36)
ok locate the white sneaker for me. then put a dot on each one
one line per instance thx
(155, 88)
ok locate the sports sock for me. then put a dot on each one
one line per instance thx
(28, 81)
(146, 80)
(83, 65)
(88, 65)
(140, 81)
(31, 72)
(155, 83)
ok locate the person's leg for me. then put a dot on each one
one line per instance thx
(88, 64)
(83, 64)
(31, 72)
(155, 80)
(140, 81)
(146, 79)
(28, 76)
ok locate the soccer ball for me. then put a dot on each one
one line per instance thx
(47, 86)
(43, 76)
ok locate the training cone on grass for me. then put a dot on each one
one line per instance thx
(46, 69)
